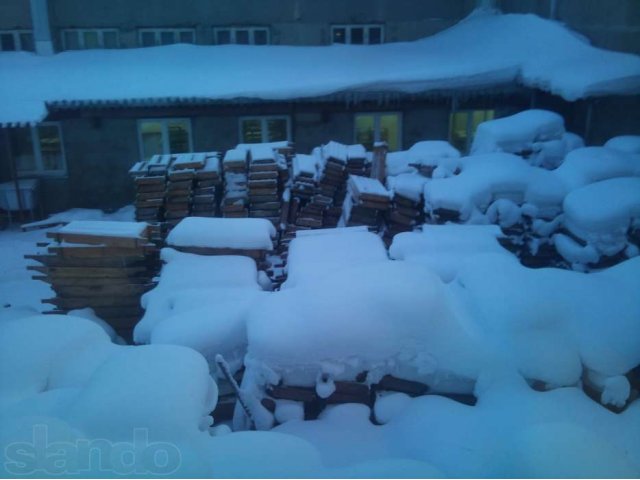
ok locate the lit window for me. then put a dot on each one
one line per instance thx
(463, 126)
(38, 150)
(357, 34)
(378, 127)
(81, 39)
(164, 136)
(150, 37)
(265, 129)
(242, 35)
(16, 40)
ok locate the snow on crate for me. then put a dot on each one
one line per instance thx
(625, 143)
(536, 135)
(444, 249)
(201, 302)
(483, 180)
(602, 214)
(315, 254)
(223, 233)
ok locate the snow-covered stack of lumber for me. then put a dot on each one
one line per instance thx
(407, 205)
(250, 237)
(150, 183)
(208, 185)
(106, 266)
(180, 186)
(333, 179)
(264, 192)
(236, 196)
(366, 200)
(357, 162)
(308, 202)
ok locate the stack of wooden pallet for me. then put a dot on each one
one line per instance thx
(264, 191)
(357, 163)
(334, 174)
(208, 187)
(180, 186)
(404, 215)
(235, 202)
(366, 200)
(150, 191)
(106, 266)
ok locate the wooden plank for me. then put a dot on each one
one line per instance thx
(55, 261)
(88, 272)
(102, 251)
(88, 239)
(255, 254)
(73, 281)
(298, 394)
(102, 290)
(84, 302)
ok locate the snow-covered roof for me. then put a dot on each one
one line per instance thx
(484, 50)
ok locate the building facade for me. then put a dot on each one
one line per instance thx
(82, 153)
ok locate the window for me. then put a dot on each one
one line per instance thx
(265, 129)
(81, 39)
(378, 127)
(241, 35)
(15, 40)
(357, 34)
(150, 37)
(38, 150)
(463, 126)
(164, 136)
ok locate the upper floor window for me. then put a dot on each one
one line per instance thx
(357, 34)
(379, 127)
(242, 35)
(463, 126)
(265, 129)
(38, 150)
(150, 37)
(14, 40)
(161, 136)
(80, 38)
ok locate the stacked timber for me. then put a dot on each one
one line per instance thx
(150, 192)
(249, 237)
(308, 204)
(180, 186)
(357, 161)
(106, 266)
(235, 202)
(208, 187)
(263, 183)
(404, 215)
(367, 199)
(334, 173)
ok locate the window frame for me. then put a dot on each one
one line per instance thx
(366, 28)
(263, 127)
(37, 153)
(157, 32)
(376, 126)
(470, 133)
(164, 122)
(17, 41)
(233, 31)
(81, 31)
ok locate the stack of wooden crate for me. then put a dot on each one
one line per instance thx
(150, 192)
(180, 186)
(264, 191)
(236, 194)
(366, 200)
(208, 187)
(357, 161)
(404, 215)
(106, 266)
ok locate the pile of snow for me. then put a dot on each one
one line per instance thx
(68, 383)
(512, 432)
(201, 302)
(505, 49)
(125, 214)
(235, 233)
(537, 135)
(625, 143)
(439, 156)
(105, 228)
(399, 318)
(408, 185)
(446, 248)
(315, 254)
(306, 165)
(485, 179)
(601, 214)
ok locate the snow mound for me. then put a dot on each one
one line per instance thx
(625, 143)
(315, 254)
(236, 233)
(201, 302)
(602, 213)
